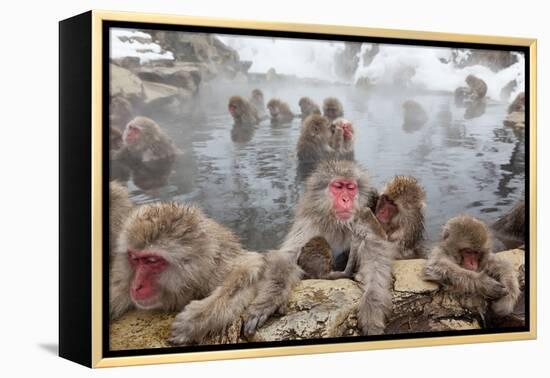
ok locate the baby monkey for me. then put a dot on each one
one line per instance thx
(463, 263)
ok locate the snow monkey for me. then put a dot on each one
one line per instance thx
(315, 258)
(148, 152)
(333, 195)
(243, 113)
(518, 105)
(308, 107)
(463, 263)
(509, 229)
(332, 108)
(400, 211)
(414, 115)
(314, 144)
(478, 87)
(257, 100)
(172, 257)
(343, 138)
(279, 111)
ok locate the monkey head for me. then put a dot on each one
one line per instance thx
(159, 241)
(336, 190)
(345, 125)
(317, 127)
(236, 106)
(274, 107)
(466, 240)
(257, 95)
(332, 108)
(115, 138)
(120, 111)
(400, 195)
(139, 131)
(471, 80)
(307, 106)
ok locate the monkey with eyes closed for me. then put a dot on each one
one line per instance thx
(308, 107)
(172, 257)
(463, 263)
(243, 112)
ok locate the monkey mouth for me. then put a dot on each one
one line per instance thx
(344, 215)
(150, 303)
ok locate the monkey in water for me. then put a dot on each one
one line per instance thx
(510, 228)
(400, 211)
(147, 152)
(477, 86)
(464, 264)
(308, 107)
(279, 111)
(332, 108)
(343, 139)
(414, 115)
(257, 101)
(243, 113)
(172, 257)
(518, 105)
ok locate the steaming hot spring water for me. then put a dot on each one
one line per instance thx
(471, 165)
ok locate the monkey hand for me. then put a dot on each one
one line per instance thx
(257, 315)
(503, 306)
(431, 273)
(188, 326)
(491, 288)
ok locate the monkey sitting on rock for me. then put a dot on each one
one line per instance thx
(463, 263)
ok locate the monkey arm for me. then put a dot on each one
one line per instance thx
(301, 232)
(442, 269)
(337, 139)
(281, 275)
(503, 271)
(211, 315)
(375, 305)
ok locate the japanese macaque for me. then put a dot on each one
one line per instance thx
(308, 107)
(279, 111)
(148, 153)
(463, 263)
(115, 139)
(315, 259)
(343, 138)
(257, 100)
(243, 113)
(332, 108)
(119, 208)
(518, 105)
(120, 112)
(172, 257)
(414, 116)
(477, 86)
(314, 144)
(510, 228)
(334, 192)
(400, 211)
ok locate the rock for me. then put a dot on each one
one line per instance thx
(364, 83)
(515, 119)
(187, 77)
(507, 90)
(327, 309)
(124, 82)
(346, 61)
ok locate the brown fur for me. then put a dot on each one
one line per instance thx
(279, 111)
(257, 101)
(518, 105)
(477, 86)
(495, 278)
(245, 113)
(510, 228)
(406, 228)
(119, 208)
(115, 139)
(308, 107)
(332, 108)
(315, 258)
(211, 280)
(120, 112)
(151, 157)
(313, 144)
(343, 148)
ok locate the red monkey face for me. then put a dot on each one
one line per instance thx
(232, 109)
(470, 259)
(147, 267)
(131, 133)
(386, 209)
(343, 194)
(346, 127)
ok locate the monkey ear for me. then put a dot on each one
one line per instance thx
(446, 234)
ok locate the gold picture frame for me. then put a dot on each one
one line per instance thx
(90, 266)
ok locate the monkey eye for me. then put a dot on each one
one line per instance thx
(351, 186)
(151, 260)
(338, 185)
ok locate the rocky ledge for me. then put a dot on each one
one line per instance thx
(321, 308)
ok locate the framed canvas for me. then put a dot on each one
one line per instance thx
(235, 189)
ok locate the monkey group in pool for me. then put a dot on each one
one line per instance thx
(171, 256)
